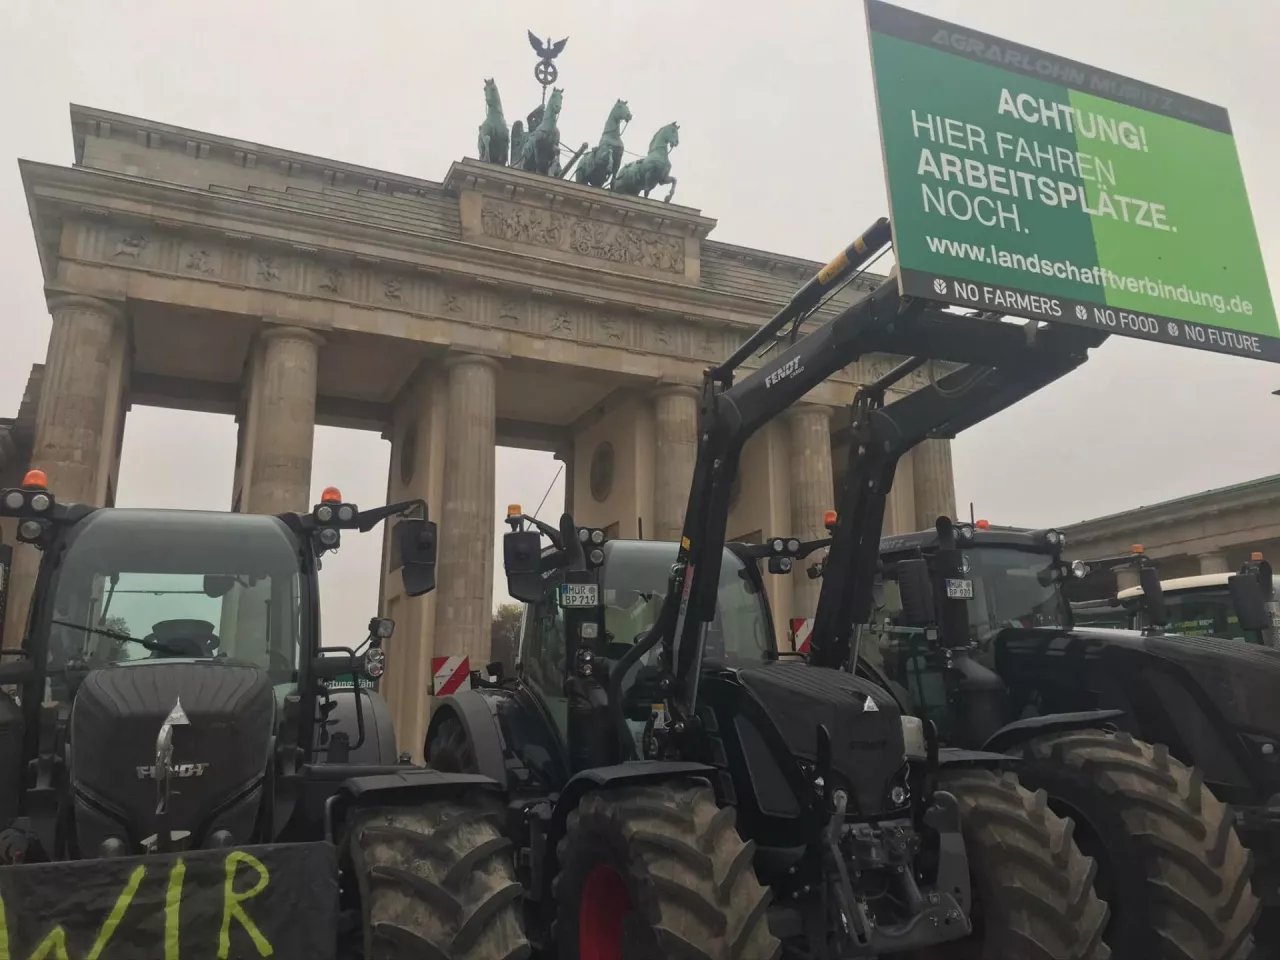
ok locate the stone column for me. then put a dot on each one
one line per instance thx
(1213, 562)
(935, 484)
(79, 422)
(675, 410)
(81, 402)
(282, 421)
(812, 492)
(464, 570)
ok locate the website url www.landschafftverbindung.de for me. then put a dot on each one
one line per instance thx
(1094, 276)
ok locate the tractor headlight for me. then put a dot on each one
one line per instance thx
(324, 513)
(30, 531)
(964, 531)
(596, 557)
(375, 662)
(913, 738)
(597, 537)
(329, 537)
(793, 546)
(1054, 538)
(778, 546)
(1079, 569)
(13, 500)
(346, 513)
(40, 502)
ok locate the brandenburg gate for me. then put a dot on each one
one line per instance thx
(496, 307)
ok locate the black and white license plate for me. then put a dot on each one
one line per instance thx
(579, 595)
(960, 589)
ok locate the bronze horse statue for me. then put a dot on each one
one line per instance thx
(494, 137)
(601, 165)
(653, 170)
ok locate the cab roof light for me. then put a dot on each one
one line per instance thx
(331, 495)
(829, 519)
(1256, 555)
(983, 524)
(513, 510)
(35, 480)
(1137, 548)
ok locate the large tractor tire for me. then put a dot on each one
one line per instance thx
(1170, 863)
(1033, 890)
(663, 871)
(437, 882)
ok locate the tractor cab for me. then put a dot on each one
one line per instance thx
(1208, 605)
(602, 615)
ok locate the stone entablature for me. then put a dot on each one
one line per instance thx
(101, 228)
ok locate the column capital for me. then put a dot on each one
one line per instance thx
(798, 410)
(283, 332)
(459, 358)
(79, 301)
(675, 390)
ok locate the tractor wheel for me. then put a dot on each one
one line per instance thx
(1032, 887)
(437, 882)
(1169, 861)
(655, 872)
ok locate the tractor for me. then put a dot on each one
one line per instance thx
(1204, 605)
(1154, 744)
(184, 766)
(676, 786)
(979, 644)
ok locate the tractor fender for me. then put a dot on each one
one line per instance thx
(478, 714)
(955, 757)
(405, 787)
(633, 773)
(379, 732)
(1020, 731)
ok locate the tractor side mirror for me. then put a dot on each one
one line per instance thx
(916, 589)
(1153, 595)
(1250, 604)
(416, 541)
(522, 561)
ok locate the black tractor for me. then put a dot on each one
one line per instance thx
(183, 767)
(678, 788)
(1159, 747)
(979, 666)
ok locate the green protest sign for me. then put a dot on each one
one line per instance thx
(1027, 184)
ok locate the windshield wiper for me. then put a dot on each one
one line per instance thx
(153, 645)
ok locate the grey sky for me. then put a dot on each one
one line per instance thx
(778, 142)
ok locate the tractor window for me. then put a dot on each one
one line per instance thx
(1013, 588)
(1203, 613)
(635, 579)
(133, 586)
(542, 652)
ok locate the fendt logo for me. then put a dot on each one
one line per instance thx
(784, 372)
(179, 770)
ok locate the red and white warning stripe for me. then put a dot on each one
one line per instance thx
(801, 631)
(450, 675)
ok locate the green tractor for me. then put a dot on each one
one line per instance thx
(677, 787)
(184, 767)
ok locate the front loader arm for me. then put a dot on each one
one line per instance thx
(883, 434)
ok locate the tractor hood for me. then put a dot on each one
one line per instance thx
(1240, 678)
(222, 717)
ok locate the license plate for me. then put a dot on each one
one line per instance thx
(579, 595)
(960, 589)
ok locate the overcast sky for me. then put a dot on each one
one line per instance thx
(778, 143)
